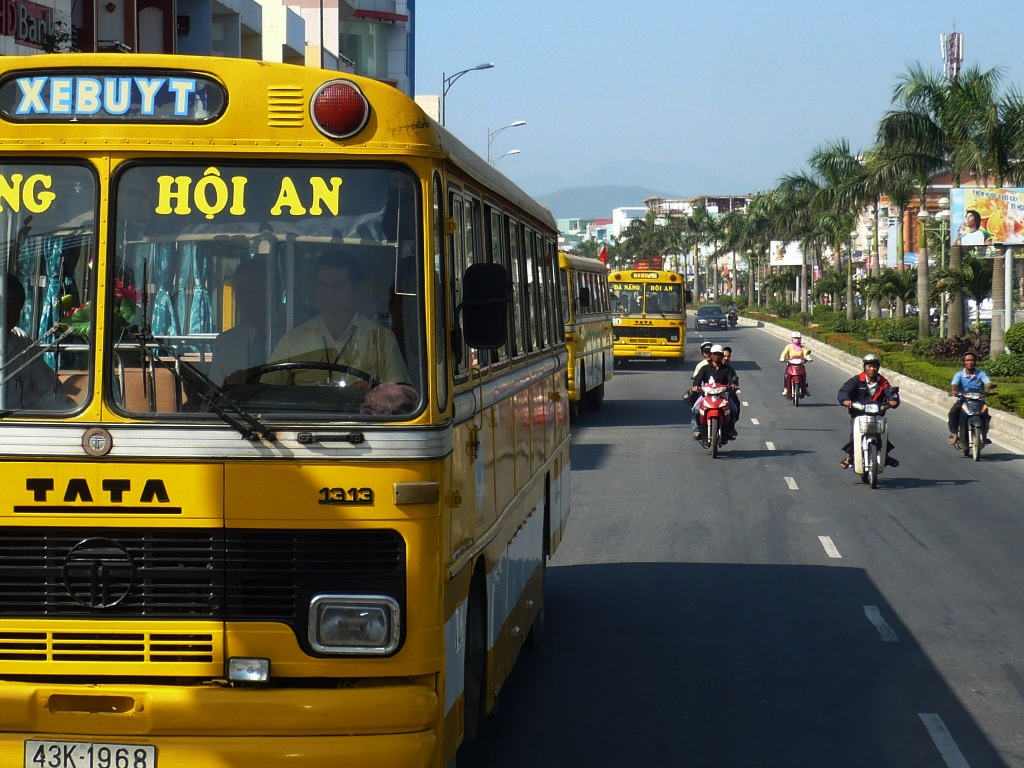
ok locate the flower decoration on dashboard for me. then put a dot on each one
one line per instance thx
(123, 305)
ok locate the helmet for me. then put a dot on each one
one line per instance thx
(795, 335)
(871, 357)
(706, 346)
(717, 349)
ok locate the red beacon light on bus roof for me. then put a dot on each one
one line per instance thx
(339, 109)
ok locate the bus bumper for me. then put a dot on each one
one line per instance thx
(387, 726)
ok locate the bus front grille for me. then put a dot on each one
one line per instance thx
(185, 574)
(108, 646)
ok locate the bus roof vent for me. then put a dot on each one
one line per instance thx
(286, 107)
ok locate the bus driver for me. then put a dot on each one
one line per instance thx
(339, 335)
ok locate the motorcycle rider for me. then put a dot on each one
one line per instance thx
(705, 351)
(795, 348)
(867, 387)
(733, 312)
(734, 399)
(970, 379)
(720, 373)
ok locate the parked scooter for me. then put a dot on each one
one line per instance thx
(714, 417)
(870, 442)
(971, 437)
(796, 379)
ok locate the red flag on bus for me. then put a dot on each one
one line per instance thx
(602, 255)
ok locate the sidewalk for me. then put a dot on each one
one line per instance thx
(1006, 429)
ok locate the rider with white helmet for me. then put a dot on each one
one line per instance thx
(795, 348)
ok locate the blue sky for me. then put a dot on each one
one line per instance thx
(654, 92)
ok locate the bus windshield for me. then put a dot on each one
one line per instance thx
(653, 298)
(288, 288)
(47, 215)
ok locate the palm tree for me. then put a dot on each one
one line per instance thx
(831, 284)
(973, 279)
(901, 286)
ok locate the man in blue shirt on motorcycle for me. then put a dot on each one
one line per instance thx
(970, 379)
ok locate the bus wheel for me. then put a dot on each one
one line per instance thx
(474, 694)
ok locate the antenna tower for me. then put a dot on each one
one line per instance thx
(952, 53)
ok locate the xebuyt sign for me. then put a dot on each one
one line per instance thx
(27, 22)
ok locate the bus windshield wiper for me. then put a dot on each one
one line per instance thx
(230, 411)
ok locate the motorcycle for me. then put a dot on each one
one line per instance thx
(971, 436)
(733, 317)
(714, 417)
(870, 442)
(796, 379)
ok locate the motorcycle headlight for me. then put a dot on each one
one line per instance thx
(354, 624)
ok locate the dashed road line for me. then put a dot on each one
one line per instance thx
(830, 548)
(943, 740)
(792, 484)
(885, 632)
(755, 422)
(770, 445)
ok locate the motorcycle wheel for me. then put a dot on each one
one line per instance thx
(713, 437)
(872, 465)
(794, 392)
(976, 442)
(965, 441)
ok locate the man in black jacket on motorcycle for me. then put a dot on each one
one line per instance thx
(722, 373)
(869, 386)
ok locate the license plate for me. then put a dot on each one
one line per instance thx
(641, 353)
(88, 754)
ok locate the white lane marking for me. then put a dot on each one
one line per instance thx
(887, 633)
(745, 403)
(791, 483)
(830, 548)
(950, 752)
(771, 445)
(755, 422)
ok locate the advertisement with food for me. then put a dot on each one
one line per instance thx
(986, 216)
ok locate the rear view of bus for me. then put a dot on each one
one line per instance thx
(650, 316)
(248, 514)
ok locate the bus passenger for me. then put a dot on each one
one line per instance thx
(339, 336)
(29, 383)
(239, 350)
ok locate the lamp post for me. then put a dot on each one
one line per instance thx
(943, 218)
(849, 278)
(883, 239)
(492, 134)
(510, 152)
(448, 81)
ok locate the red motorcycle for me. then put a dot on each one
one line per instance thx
(796, 379)
(714, 417)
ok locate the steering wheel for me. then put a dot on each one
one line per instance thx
(261, 370)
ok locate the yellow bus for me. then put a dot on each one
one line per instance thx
(586, 307)
(284, 431)
(650, 315)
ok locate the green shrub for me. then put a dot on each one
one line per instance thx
(924, 347)
(821, 312)
(954, 347)
(783, 309)
(1014, 338)
(934, 374)
(1007, 364)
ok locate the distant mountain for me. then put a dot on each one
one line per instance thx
(593, 193)
(596, 202)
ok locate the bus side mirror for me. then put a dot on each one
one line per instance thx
(484, 307)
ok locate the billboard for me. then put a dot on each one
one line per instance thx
(986, 215)
(785, 254)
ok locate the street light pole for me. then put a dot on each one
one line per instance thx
(492, 134)
(448, 81)
(510, 152)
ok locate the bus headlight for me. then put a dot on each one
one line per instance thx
(354, 624)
